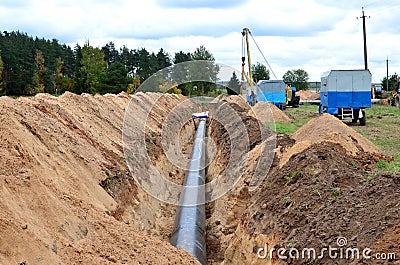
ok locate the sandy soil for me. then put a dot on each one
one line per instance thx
(55, 153)
(327, 128)
(268, 112)
(319, 188)
(239, 100)
(67, 196)
(264, 111)
(307, 95)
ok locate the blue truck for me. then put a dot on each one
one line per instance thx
(345, 94)
(276, 92)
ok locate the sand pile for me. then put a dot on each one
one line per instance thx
(67, 197)
(383, 102)
(308, 95)
(321, 194)
(233, 166)
(264, 111)
(56, 155)
(234, 99)
(268, 112)
(304, 200)
(327, 128)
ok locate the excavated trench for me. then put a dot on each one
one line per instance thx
(310, 171)
(55, 152)
(154, 217)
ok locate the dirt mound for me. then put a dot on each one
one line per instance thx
(321, 194)
(327, 128)
(268, 112)
(234, 99)
(67, 196)
(236, 165)
(57, 154)
(383, 102)
(308, 95)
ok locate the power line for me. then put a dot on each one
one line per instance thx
(389, 5)
(386, 9)
(372, 3)
(263, 56)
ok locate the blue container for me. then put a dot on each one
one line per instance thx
(345, 89)
(273, 91)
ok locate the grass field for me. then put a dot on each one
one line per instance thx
(299, 116)
(383, 129)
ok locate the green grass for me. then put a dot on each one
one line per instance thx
(382, 110)
(316, 192)
(334, 191)
(382, 129)
(286, 200)
(382, 164)
(299, 116)
(283, 127)
(390, 167)
(293, 174)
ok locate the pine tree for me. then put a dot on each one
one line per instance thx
(233, 85)
(117, 79)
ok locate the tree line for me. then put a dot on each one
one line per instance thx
(31, 65)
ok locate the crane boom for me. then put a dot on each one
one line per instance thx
(249, 78)
(246, 34)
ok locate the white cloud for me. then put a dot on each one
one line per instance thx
(309, 34)
(199, 3)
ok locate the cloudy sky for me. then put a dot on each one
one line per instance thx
(314, 35)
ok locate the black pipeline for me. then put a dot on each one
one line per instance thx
(189, 232)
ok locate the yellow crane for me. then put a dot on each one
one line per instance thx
(249, 77)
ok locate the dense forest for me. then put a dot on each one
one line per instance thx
(31, 65)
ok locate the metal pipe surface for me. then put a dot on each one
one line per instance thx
(189, 232)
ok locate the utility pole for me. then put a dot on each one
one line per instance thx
(365, 39)
(387, 73)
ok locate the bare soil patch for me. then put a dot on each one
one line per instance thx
(268, 112)
(308, 95)
(59, 158)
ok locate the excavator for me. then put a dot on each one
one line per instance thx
(291, 98)
(394, 98)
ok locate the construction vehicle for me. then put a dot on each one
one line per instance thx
(345, 94)
(277, 93)
(273, 91)
(376, 91)
(394, 99)
(251, 95)
(291, 98)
